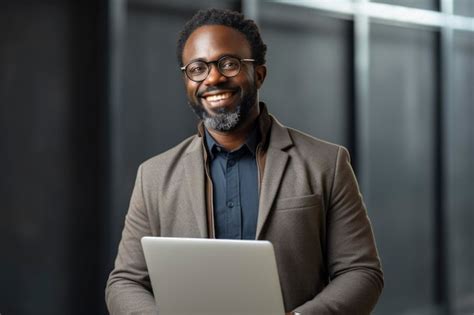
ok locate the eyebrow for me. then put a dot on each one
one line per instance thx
(220, 56)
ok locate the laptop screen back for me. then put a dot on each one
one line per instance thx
(206, 276)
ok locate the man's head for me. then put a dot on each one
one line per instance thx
(231, 57)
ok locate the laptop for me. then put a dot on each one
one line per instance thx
(192, 276)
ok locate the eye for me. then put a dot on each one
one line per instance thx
(229, 64)
(196, 68)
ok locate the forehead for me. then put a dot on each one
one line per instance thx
(211, 42)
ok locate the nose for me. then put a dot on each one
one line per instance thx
(214, 77)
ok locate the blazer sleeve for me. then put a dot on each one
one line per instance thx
(356, 277)
(128, 289)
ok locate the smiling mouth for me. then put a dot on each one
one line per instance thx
(218, 97)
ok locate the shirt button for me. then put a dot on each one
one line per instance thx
(230, 204)
(231, 162)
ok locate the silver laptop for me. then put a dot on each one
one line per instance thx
(193, 276)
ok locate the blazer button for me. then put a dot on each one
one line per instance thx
(230, 204)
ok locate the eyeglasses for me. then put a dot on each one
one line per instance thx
(228, 66)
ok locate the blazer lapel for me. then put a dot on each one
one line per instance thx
(275, 165)
(195, 179)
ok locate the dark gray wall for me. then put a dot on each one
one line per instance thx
(48, 161)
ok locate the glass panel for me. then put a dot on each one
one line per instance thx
(460, 178)
(403, 94)
(309, 70)
(419, 4)
(464, 7)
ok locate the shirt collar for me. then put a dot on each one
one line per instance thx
(251, 142)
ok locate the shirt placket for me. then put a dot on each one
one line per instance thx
(234, 217)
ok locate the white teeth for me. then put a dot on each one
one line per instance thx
(218, 97)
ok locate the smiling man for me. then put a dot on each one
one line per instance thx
(246, 176)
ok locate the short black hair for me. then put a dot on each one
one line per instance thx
(229, 18)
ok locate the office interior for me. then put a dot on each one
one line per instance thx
(90, 89)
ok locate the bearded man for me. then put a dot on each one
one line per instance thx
(246, 176)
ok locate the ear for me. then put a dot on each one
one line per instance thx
(260, 74)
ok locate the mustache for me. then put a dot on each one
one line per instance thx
(217, 88)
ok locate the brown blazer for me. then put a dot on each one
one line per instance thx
(310, 209)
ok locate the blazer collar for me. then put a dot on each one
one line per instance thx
(279, 137)
(195, 180)
(275, 165)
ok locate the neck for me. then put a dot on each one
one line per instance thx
(232, 140)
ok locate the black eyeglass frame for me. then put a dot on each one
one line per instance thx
(208, 64)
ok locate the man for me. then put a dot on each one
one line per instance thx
(246, 176)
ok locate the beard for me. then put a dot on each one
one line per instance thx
(226, 119)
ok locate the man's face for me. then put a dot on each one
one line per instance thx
(224, 104)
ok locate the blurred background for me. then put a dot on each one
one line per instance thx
(90, 89)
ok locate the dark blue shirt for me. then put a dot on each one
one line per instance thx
(235, 188)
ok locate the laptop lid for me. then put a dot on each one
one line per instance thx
(192, 276)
